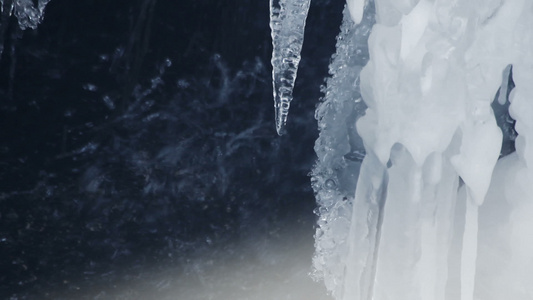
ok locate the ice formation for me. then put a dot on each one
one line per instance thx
(417, 197)
(287, 22)
(29, 14)
(356, 9)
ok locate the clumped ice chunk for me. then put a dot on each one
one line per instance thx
(339, 150)
(29, 14)
(287, 22)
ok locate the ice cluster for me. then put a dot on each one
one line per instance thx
(339, 148)
(417, 197)
(29, 14)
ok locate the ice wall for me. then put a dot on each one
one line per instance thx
(434, 208)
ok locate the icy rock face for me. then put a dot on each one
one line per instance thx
(287, 22)
(419, 227)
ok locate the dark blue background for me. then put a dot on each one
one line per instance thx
(134, 129)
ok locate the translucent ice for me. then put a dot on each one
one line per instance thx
(287, 22)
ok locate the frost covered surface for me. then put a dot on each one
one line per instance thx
(433, 207)
(287, 22)
(339, 149)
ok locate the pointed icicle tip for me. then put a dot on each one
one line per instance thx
(287, 21)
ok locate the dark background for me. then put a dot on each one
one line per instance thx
(141, 133)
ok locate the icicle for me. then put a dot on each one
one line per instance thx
(504, 88)
(469, 253)
(287, 22)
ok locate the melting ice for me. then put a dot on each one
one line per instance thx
(417, 197)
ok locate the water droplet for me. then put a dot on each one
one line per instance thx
(330, 184)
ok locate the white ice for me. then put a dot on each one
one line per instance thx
(436, 213)
(356, 8)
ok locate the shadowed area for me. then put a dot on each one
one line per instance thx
(139, 158)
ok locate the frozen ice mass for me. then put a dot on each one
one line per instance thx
(424, 178)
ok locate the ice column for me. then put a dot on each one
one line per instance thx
(431, 144)
(287, 22)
